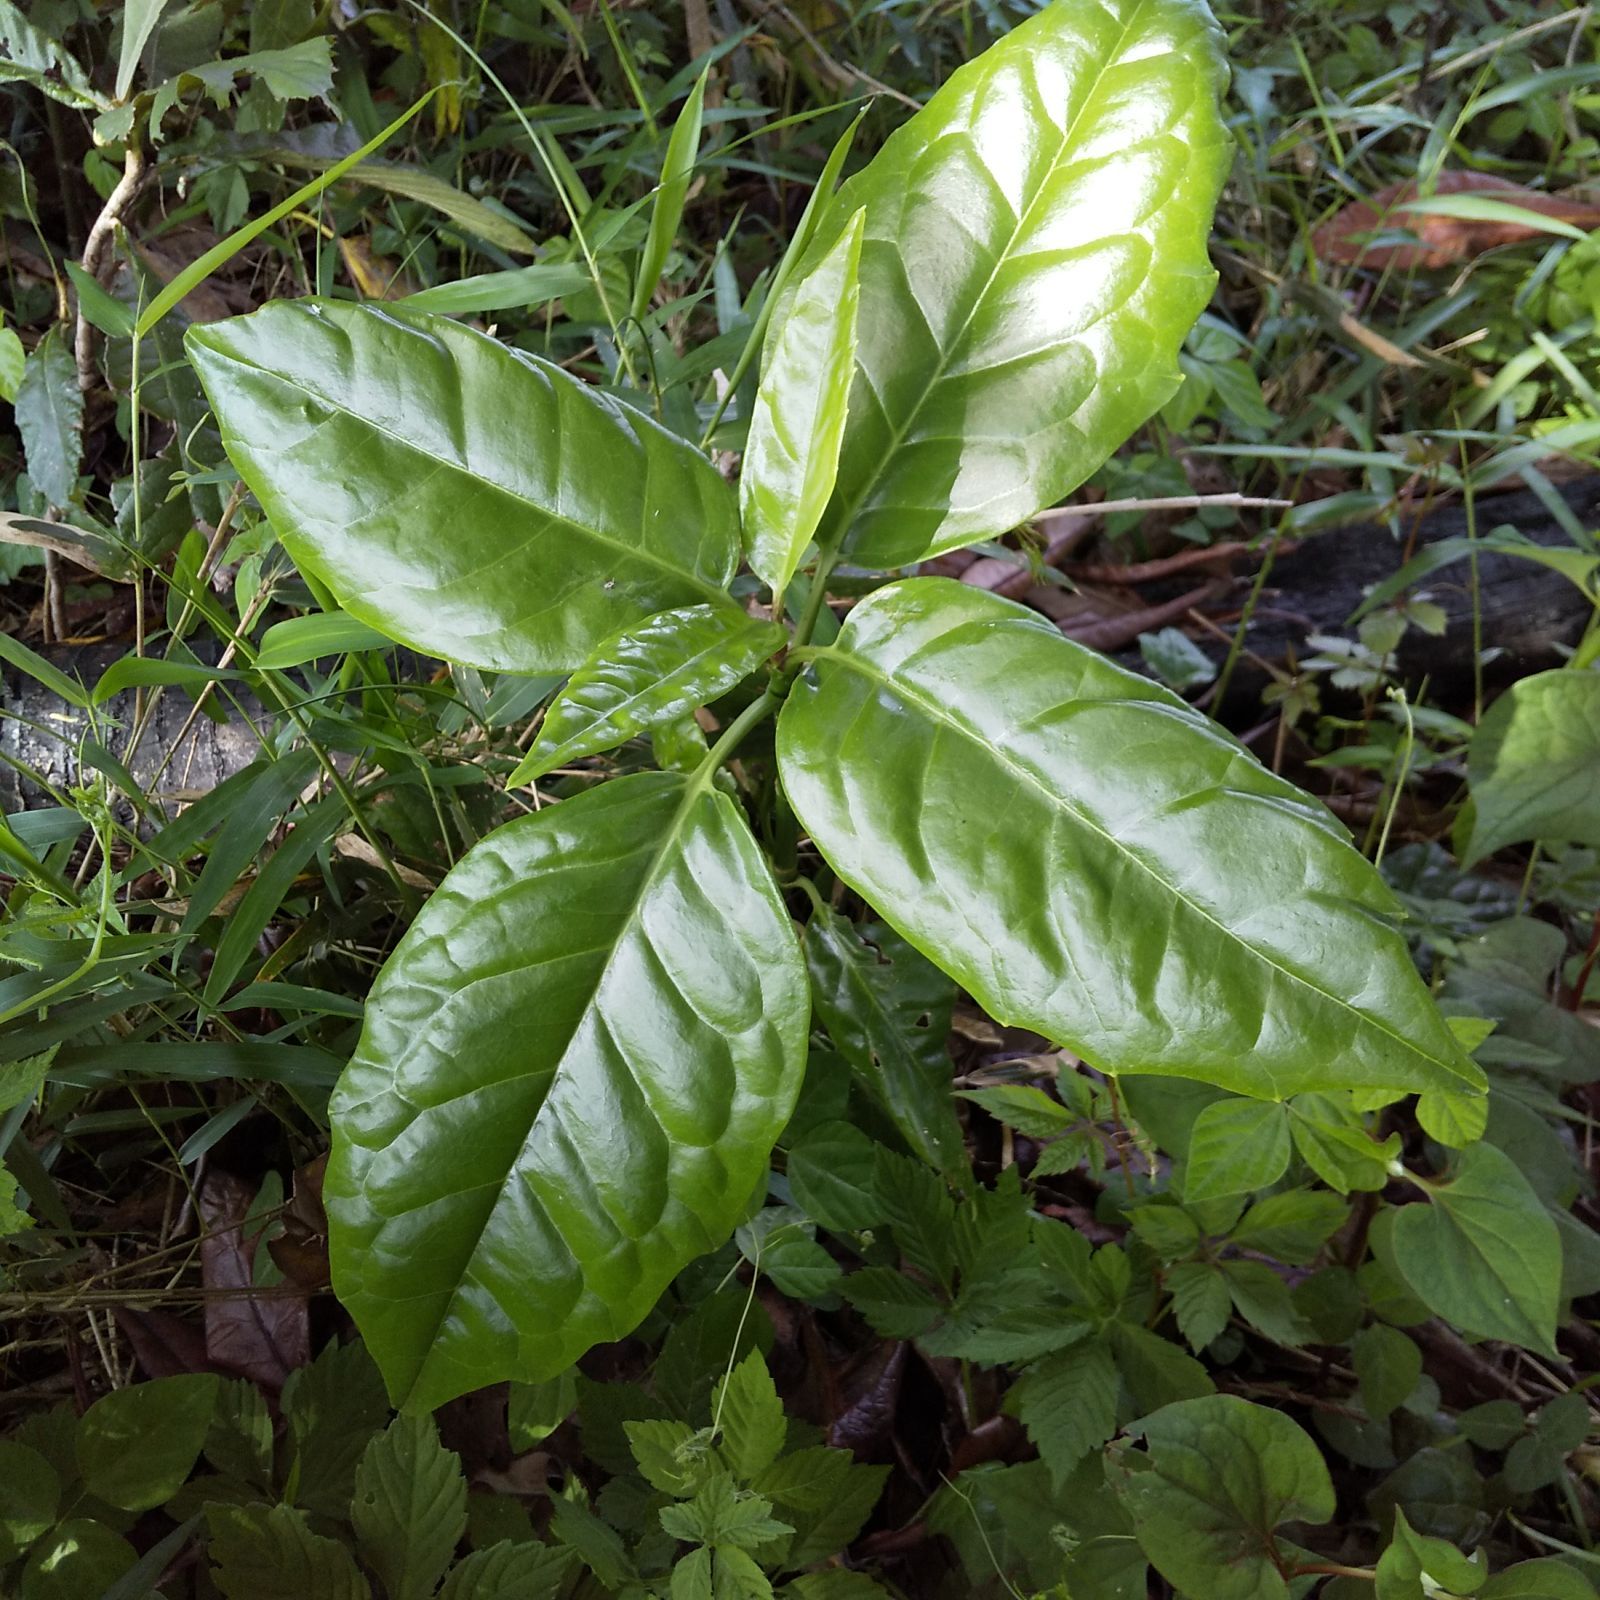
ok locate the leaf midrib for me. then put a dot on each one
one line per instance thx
(938, 715)
(638, 552)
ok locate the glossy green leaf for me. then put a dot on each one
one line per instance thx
(519, 289)
(137, 1445)
(410, 1507)
(1093, 859)
(650, 672)
(1220, 1476)
(1532, 764)
(1035, 252)
(1236, 1147)
(798, 425)
(1334, 1143)
(30, 1492)
(50, 417)
(261, 1552)
(322, 633)
(1483, 1253)
(465, 498)
(572, 1071)
(78, 1557)
(888, 1011)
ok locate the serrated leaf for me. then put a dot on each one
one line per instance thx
(1291, 1226)
(239, 1440)
(363, 431)
(1169, 1230)
(1531, 764)
(750, 1420)
(722, 1514)
(1236, 1147)
(596, 1543)
(831, 1527)
(1155, 1370)
(1483, 1253)
(1263, 1299)
(921, 1213)
(1027, 1109)
(410, 1507)
(1219, 926)
(670, 1455)
(571, 1074)
(896, 1307)
(29, 55)
(798, 424)
(1035, 246)
(1200, 1302)
(831, 1171)
(833, 1584)
(887, 1009)
(137, 1445)
(1068, 1404)
(510, 1570)
(1220, 1476)
(1387, 1365)
(49, 413)
(333, 1408)
(266, 1552)
(649, 673)
(1334, 1144)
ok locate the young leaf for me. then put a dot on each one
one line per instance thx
(1532, 762)
(1155, 899)
(572, 1071)
(1236, 1147)
(365, 431)
(1068, 1403)
(649, 672)
(887, 1009)
(1416, 1566)
(798, 424)
(1334, 1144)
(139, 18)
(137, 1445)
(265, 1552)
(750, 1418)
(1035, 245)
(1220, 1476)
(676, 172)
(1483, 1253)
(50, 417)
(410, 1507)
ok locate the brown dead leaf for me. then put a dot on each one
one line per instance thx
(259, 1333)
(377, 277)
(300, 1252)
(1441, 241)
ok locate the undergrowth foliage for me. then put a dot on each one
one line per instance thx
(1211, 1249)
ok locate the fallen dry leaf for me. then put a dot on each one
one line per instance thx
(1441, 241)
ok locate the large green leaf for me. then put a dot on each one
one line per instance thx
(1532, 764)
(467, 499)
(1484, 1253)
(662, 668)
(1035, 252)
(1220, 1476)
(136, 1445)
(797, 427)
(1091, 858)
(573, 1069)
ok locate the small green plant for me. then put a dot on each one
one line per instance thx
(575, 1065)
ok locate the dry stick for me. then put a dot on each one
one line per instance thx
(94, 249)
